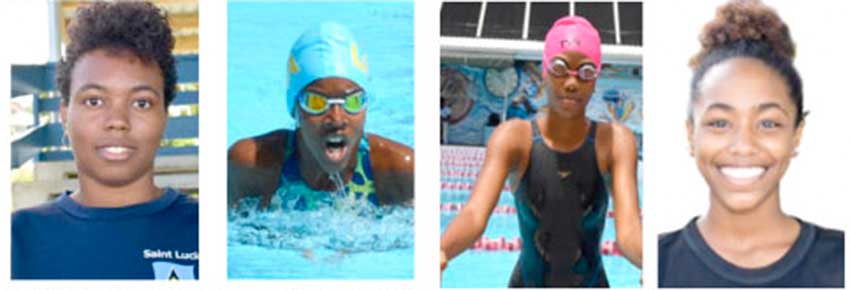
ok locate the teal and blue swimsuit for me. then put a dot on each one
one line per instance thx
(294, 193)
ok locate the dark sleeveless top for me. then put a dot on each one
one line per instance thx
(561, 206)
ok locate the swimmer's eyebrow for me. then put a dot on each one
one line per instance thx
(771, 105)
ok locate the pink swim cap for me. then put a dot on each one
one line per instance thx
(572, 33)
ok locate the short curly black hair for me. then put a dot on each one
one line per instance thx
(138, 27)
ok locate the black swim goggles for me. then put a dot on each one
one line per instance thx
(316, 103)
(558, 68)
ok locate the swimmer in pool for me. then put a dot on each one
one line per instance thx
(745, 122)
(558, 166)
(327, 157)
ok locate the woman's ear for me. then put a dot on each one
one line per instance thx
(798, 135)
(689, 125)
(63, 113)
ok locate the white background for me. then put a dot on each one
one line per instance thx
(816, 184)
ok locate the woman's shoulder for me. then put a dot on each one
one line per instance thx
(183, 202)
(674, 241)
(827, 238)
(668, 241)
(35, 218)
(260, 151)
(39, 212)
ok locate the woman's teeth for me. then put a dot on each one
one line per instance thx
(116, 149)
(742, 172)
(115, 153)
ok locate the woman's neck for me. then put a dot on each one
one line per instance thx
(750, 239)
(95, 194)
(765, 218)
(563, 133)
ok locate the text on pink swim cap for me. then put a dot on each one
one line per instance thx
(573, 33)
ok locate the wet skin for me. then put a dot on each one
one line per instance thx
(254, 164)
(564, 128)
(114, 120)
(743, 136)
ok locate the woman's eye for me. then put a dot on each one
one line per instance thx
(719, 124)
(769, 124)
(142, 104)
(93, 102)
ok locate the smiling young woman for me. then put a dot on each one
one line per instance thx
(116, 80)
(745, 123)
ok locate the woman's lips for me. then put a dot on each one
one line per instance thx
(115, 152)
(569, 101)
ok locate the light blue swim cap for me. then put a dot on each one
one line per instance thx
(327, 50)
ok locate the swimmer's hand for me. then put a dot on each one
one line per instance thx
(444, 261)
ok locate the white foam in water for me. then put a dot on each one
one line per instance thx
(346, 226)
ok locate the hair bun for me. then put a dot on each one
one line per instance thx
(742, 20)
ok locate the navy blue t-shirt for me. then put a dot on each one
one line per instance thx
(65, 240)
(816, 259)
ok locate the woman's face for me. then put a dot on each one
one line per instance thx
(115, 116)
(333, 136)
(742, 134)
(568, 96)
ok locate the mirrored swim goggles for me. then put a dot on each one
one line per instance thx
(316, 104)
(558, 68)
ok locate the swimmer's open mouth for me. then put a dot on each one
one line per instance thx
(335, 148)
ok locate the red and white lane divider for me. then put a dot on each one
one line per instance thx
(499, 209)
(456, 206)
(607, 248)
(462, 186)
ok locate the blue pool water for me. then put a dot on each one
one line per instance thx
(492, 269)
(326, 243)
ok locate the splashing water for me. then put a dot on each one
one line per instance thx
(346, 226)
(336, 178)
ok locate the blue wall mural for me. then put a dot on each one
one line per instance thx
(473, 99)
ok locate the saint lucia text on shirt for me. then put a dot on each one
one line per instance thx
(169, 254)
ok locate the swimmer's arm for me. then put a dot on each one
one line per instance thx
(251, 171)
(625, 194)
(393, 165)
(503, 152)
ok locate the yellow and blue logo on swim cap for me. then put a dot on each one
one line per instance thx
(327, 50)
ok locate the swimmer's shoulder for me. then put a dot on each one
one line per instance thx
(393, 169)
(264, 150)
(614, 132)
(513, 137)
(389, 154)
(614, 141)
